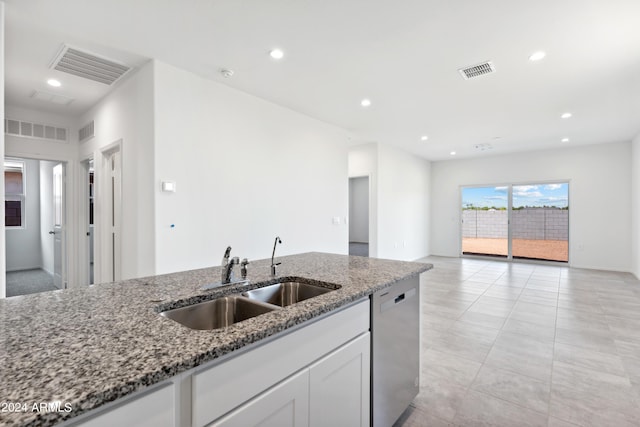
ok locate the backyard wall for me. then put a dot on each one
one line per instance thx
(532, 223)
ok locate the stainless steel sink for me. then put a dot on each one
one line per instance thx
(217, 313)
(286, 293)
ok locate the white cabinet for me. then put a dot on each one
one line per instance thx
(334, 391)
(285, 405)
(153, 409)
(339, 386)
(221, 388)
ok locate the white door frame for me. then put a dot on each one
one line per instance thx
(83, 221)
(108, 252)
(69, 266)
(373, 225)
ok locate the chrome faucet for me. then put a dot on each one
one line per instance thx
(243, 268)
(227, 266)
(273, 266)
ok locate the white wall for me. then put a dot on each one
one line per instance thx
(403, 204)
(599, 202)
(246, 170)
(399, 200)
(363, 161)
(23, 244)
(127, 114)
(46, 240)
(359, 209)
(635, 205)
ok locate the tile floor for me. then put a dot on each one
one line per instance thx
(527, 345)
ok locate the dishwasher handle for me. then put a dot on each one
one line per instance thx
(394, 302)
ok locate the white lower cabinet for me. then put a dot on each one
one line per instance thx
(334, 391)
(339, 386)
(285, 405)
(154, 409)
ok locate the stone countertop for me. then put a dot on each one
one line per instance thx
(86, 347)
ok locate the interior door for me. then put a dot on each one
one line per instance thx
(58, 226)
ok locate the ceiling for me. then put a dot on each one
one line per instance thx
(403, 56)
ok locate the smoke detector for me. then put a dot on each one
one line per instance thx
(226, 73)
(477, 70)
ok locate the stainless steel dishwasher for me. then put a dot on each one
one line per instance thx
(395, 350)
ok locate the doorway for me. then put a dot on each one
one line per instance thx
(359, 216)
(517, 221)
(35, 225)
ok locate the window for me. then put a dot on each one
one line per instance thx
(14, 186)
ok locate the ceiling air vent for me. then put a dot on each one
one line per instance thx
(86, 132)
(88, 66)
(477, 70)
(34, 130)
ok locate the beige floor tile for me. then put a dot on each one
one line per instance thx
(480, 409)
(514, 388)
(534, 330)
(482, 319)
(442, 367)
(440, 399)
(580, 357)
(519, 361)
(588, 339)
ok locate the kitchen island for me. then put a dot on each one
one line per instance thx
(84, 348)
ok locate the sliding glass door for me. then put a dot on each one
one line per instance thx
(517, 221)
(485, 222)
(540, 222)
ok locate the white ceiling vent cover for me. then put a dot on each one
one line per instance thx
(86, 132)
(34, 130)
(88, 66)
(477, 70)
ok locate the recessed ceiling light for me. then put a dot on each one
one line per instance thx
(276, 54)
(365, 102)
(54, 83)
(564, 140)
(424, 137)
(453, 153)
(537, 56)
(566, 115)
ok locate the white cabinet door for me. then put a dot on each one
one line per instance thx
(339, 386)
(285, 405)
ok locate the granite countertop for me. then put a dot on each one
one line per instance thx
(86, 347)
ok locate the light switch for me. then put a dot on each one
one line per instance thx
(169, 186)
(336, 220)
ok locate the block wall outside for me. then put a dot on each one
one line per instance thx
(528, 223)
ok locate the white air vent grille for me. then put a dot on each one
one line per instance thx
(86, 132)
(34, 130)
(477, 70)
(88, 66)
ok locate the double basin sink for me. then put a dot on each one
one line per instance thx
(225, 311)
